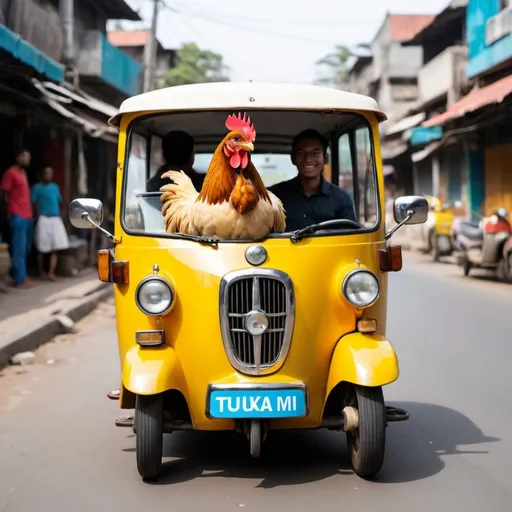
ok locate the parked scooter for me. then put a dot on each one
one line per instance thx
(486, 244)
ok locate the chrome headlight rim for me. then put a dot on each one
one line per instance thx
(346, 280)
(165, 283)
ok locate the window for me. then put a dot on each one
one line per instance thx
(354, 168)
(357, 173)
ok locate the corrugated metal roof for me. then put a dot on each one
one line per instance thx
(405, 26)
(122, 38)
(406, 123)
(116, 9)
(455, 12)
(476, 99)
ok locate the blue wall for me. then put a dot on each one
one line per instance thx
(476, 179)
(480, 56)
(118, 69)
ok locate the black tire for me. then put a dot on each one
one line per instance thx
(149, 436)
(435, 249)
(466, 268)
(506, 268)
(367, 444)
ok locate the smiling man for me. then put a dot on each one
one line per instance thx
(309, 198)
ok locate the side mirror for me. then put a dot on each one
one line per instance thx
(409, 210)
(86, 213)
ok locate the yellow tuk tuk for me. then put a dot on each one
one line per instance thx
(435, 236)
(283, 332)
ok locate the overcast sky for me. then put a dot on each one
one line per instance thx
(274, 40)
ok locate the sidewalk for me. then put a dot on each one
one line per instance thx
(29, 318)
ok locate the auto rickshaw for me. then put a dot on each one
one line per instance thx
(435, 237)
(288, 332)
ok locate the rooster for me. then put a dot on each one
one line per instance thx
(233, 203)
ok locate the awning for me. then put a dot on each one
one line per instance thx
(388, 153)
(476, 99)
(29, 55)
(77, 107)
(92, 127)
(406, 123)
(64, 95)
(421, 155)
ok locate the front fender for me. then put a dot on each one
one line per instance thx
(363, 359)
(152, 370)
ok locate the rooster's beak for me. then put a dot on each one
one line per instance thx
(248, 146)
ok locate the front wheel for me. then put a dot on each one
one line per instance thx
(367, 444)
(149, 435)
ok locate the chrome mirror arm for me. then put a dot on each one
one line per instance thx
(110, 236)
(395, 228)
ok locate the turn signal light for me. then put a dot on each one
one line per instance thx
(120, 272)
(390, 259)
(367, 325)
(104, 260)
(111, 271)
(149, 338)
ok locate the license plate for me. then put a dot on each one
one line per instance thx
(257, 403)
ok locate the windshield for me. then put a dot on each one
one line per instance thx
(349, 165)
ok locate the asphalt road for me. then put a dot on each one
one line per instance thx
(60, 450)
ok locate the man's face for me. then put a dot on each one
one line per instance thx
(47, 174)
(309, 158)
(24, 159)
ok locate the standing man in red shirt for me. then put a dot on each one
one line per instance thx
(15, 190)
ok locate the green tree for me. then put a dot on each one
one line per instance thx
(337, 64)
(194, 65)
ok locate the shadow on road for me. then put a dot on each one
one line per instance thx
(414, 451)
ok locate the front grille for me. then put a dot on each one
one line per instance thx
(268, 291)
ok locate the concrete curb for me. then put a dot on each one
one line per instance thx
(43, 331)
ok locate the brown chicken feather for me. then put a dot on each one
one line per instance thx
(229, 206)
(220, 178)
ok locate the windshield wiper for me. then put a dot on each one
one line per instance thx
(200, 239)
(313, 228)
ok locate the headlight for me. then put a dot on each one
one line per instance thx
(154, 296)
(361, 288)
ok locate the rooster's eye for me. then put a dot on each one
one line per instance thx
(236, 139)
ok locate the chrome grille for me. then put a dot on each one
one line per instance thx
(270, 292)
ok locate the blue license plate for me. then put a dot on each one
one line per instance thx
(257, 403)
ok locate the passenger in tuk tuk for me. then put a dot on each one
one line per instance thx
(178, 152)
(309, 198)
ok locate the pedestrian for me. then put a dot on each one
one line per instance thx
(50, 233)
(15, 191)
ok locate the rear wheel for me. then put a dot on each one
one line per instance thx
(367, 444)
(434, 247)
(149, 435)
(466, 268)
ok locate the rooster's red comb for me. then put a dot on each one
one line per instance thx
(243, 124)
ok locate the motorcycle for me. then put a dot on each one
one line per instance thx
(486, 244)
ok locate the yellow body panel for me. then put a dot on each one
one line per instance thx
(364, 359)
(323, 352)
(443, 222)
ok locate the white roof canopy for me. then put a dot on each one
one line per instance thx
(246, 97)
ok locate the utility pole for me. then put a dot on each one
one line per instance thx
(150, 54)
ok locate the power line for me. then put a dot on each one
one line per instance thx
(246, 28)
(281, 22)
